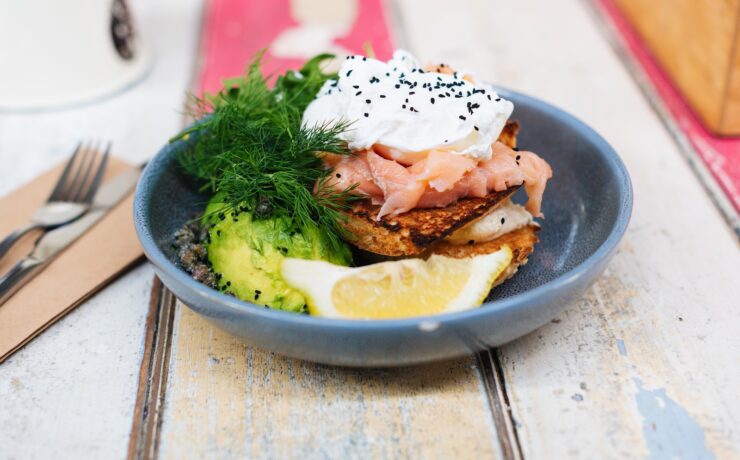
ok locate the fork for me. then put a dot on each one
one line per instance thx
(71, 196)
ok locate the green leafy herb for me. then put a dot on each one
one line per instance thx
(250, 147)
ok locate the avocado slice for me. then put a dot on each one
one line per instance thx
(246, 254)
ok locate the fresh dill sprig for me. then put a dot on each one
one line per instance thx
(251, 148)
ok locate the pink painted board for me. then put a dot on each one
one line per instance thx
(235, 30)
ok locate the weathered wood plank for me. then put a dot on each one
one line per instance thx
(70, 393)
(153, 374)
(644, 364)
(228, 400)
(493, 379)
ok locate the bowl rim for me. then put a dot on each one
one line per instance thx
(551, 289)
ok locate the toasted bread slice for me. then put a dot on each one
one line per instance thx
(521, 242)
(509, 133)
(412, 232)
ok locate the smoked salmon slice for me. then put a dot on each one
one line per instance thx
(400, 190)
(439, 179)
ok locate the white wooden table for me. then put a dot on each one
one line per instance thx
(645, 365)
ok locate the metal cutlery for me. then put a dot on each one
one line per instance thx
(71, 196)
(54, 241)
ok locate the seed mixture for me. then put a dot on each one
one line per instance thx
(189, 245)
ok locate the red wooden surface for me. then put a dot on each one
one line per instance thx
(720, 154)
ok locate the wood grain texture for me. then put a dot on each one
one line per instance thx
(227, 400)
(493, 379)
(696, 42)
(153, 374)
(643, 366)
(730, 121)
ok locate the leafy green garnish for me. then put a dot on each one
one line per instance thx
(251, 148)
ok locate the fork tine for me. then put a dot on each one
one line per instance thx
(62, 181)
(93, 188)
(73, 183)
(79, 192)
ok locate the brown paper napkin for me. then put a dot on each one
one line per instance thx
(88, 264)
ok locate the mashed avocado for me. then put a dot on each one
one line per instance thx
(246, 255)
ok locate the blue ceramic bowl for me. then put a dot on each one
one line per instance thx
(587, 203)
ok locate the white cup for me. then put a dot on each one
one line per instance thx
(63, 52)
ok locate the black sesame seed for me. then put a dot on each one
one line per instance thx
(503, 219)
(462, 117)
(516, 149)
(356, 86)
(411, 93)
(366, 115)
(339, 176)
(431, 100)
(349, 72)
(518, 157)
(498, 99)
(403, 106)
(398, 86)
(367, 101)
(471, 242)
(382, 96)
(364, 58)
(358, 93)
(476, 128)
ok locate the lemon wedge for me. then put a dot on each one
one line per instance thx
(398, 289)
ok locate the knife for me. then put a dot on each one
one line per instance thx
(55, 241)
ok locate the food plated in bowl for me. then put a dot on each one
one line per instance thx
(586, 214)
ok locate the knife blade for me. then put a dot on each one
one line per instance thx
(55, 241)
